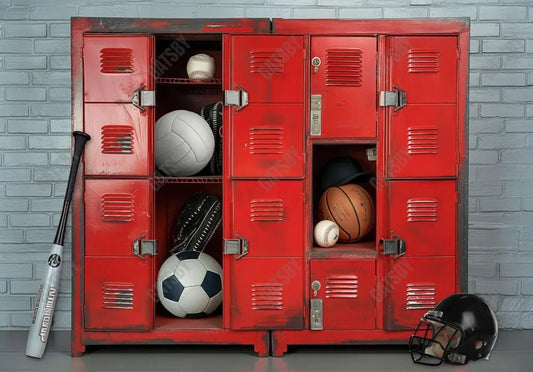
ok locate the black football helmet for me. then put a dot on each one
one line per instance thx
(462, 327)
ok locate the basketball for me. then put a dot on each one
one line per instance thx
(351, 208)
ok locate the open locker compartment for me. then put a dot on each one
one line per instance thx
(175, 91)
(364, 154)
(169, 201)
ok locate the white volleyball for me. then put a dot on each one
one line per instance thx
(326, 233)
(184, 143)
(201, 66)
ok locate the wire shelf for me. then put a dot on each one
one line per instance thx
(185, 81)
(203, 179)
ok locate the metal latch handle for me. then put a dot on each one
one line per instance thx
(237, 98)
(236, 246)
(396, 246)
(397, 98)
(144, 247)
(402, 98)
(142, 98)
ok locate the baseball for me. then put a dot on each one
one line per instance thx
(201, 66)
(326, 233)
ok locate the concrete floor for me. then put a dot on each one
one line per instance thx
(513, 352)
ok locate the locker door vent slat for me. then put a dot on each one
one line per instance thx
(117, 139)
(423, 60)
(116, 61)
(267, 210)
(422, 141)
(266, 141)
(421, 296)
(117, 295)
(344, 67)
(267, 61)
(342, 286)
(267, 296)
(422, 210)
(118, 207)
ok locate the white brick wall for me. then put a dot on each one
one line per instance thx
(35, 132)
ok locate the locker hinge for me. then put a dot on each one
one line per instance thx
(395, 246)
(143, 98)
(316, 315)
(237, 98)
(236, 246)
(396, 98)
(144, 247)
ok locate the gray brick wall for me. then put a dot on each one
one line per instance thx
(35, 126)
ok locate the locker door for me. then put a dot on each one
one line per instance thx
(270, 216)
(117, 211)
(423, 141)
(117, 283)
(425, 67)
(413, 286)
(118, 294)
(267, 141)
(266, 293)
(269, 68)
(122, 140)
(265, 201)
(114, 66)
(345, 82)
(422, 135)
(423, 214)
(347, 291)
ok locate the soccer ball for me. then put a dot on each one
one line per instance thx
(189, 284)
(184, 143)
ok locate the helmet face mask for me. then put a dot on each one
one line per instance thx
(462, 327)
(433, 341)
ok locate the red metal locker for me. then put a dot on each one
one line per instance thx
(423, 141)
(122, 143)
(412, 286)
(119, 290)
(425, 67)
(347, 290)
(423, 214)
(117, 212)
(119, 294)
(269, 69)
(266, 293)
(423, 134)
(267, 142)
(269, 214)
(343, 77)
(116, 66)
(271, 85)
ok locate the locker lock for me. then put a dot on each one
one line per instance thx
(316, 61)
(315, 286)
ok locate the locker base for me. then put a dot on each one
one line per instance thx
(282, 339)
(259, 339)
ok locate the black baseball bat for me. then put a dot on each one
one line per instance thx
(49, 288)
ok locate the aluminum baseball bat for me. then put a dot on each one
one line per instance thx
(49, 288)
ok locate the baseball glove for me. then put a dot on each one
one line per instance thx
(197, 222)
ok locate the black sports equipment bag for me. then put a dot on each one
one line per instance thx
(197, 222)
